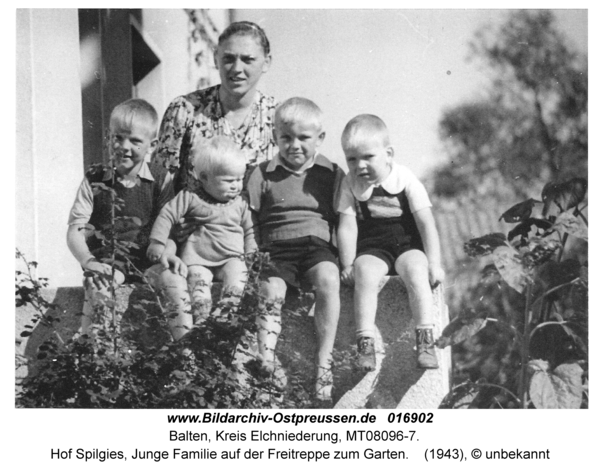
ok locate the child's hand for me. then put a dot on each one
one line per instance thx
(436, 275)
(175, 264)
(155, 251)
(99, 275)
(347, 275)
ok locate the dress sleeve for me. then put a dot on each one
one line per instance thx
(174, 126)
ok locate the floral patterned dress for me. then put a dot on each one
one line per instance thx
(199, 115)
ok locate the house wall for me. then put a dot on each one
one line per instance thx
(49, 163)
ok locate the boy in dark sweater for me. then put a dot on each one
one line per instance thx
(292, 199)
(133, 126)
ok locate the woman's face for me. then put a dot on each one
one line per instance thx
(241, 62)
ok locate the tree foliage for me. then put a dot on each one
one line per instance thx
(531, 125)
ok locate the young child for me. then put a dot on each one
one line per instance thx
(395, 231)
(133, 126)
(224, 234)
(292, 199)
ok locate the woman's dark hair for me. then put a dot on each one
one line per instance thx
(247, 28)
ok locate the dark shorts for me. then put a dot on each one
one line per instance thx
(291, 259)
(386, 242)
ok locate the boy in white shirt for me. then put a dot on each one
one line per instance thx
(386, 227)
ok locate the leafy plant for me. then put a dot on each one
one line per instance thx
(546, 353)
(122, 365)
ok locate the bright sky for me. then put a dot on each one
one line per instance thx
(405, 66)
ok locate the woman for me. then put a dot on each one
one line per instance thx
(235, 108)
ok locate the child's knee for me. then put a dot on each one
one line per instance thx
(273, 290)
(168, 279)
(326, 278)
(367, 274)
(414, 270)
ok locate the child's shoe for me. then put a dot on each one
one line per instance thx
(426, 349)
(366, 354)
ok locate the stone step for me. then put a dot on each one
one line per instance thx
(396, 383)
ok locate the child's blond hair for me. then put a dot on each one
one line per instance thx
(298, 109)
(138, 110)
(364, 126)
(216, 155)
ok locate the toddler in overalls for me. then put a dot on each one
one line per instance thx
(386, 228)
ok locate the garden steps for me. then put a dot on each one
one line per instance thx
(396, 383)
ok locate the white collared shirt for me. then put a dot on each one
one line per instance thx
(400, 178)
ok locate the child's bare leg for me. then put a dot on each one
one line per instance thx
(368, 273)
(413, 268)
(272, 296)
(325, 278)
(174, 290)
(234, 275)
(199, 282)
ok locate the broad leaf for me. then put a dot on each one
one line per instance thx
(511, 268)
(542, 392)
(485, 245)
(571, 224)
(526, 226)
(567, 382)
(520, 211)
(459, 330)
(565, 195)
(561, 389)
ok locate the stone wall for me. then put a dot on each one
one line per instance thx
(396, 383)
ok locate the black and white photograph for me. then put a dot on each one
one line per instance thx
(372, 214)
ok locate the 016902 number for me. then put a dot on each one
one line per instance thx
(411, 418)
